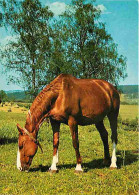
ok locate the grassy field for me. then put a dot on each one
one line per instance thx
(96, 178)
(129, 99)
(129, 111)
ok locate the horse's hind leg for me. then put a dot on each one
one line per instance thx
(113, 124)
(104, 136)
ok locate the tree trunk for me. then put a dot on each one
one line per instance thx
(33, 83)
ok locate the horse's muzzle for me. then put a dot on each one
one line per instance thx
(24, 168)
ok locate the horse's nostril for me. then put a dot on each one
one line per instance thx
(19, 168)
(25, 168)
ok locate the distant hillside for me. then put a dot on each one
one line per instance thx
(18, 95)
(128, 89)
(13, 91)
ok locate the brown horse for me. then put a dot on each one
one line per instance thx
(74, 102)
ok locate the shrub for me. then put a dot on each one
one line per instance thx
(130, 124)
(26, 105)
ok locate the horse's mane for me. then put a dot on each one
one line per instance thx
(38, 106)
(54, 87)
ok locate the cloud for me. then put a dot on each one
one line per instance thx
(103, 9)
(57, 7)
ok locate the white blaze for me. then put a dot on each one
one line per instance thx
(18, 160)
(29, 112)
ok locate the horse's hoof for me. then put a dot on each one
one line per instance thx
(53, 171)
(106, 162)
(78, 171)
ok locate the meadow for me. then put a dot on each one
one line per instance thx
(96, 179)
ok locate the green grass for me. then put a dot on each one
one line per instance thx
(128, 111)
(96, 178)
(129, 99)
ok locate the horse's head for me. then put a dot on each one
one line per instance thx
(27, 148)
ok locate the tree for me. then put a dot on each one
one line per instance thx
(77, 43)
(28, 56)
(88, 46)
(3, 96)
(58, 60)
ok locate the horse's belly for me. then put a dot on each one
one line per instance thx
(90, 119)
(93, 114)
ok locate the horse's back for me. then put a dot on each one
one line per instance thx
(93, 90)
(88, 100)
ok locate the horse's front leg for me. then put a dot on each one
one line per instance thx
(55, 128)
(74, 132)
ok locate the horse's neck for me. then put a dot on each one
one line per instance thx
(38, 111)
(42, 104)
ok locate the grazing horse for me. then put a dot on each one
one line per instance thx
(74, 102)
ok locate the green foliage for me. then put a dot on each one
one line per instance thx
(129, 102)
(18, 96)
(76, 43)
(129, 98)
(130, 125)
(89, 49)
(129, 89)
(58, 60)
(28, 56)
(3, 96)
(25, 105)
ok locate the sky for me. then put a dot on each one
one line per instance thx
(121, 19)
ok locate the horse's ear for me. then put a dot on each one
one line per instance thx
(19, 129)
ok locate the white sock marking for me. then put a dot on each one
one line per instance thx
(18, 160)
(113, 159)
(78, 167)
(54, 162)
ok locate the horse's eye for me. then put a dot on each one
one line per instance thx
(30, 156)
(20, 147)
